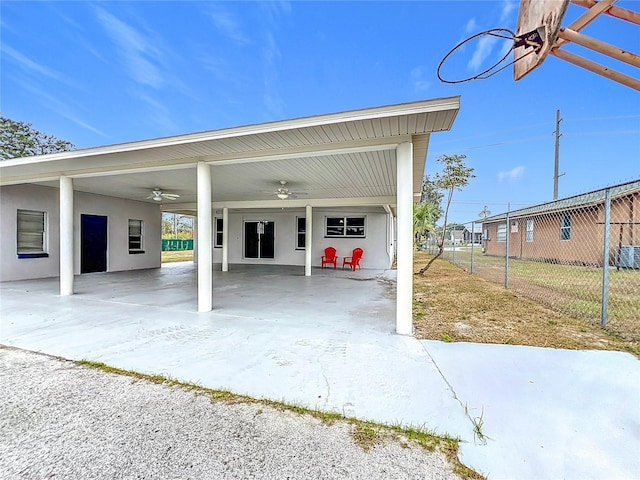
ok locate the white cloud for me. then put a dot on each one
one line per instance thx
(34, 67)
(420, 84)
(227, 25)
(158, 113)
(482, 51)
(139, 52)
(271, 55)
(56, 104)
(471, 26)
(507, 7)
(513, 174)
(274, 11)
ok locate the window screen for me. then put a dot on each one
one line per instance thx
(31, 232)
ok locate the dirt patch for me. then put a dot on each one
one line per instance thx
(452, 305)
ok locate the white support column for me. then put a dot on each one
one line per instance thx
(66, 236)
(308, 239)
(391, 245)
(404, 295)
(195, 240)
(205, 237)
(225, 239)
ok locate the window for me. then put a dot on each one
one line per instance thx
(485, 234)
(301, 228)
(135, 236)
(529, 235)
(565, 227)
(31, 234)
(219, 229)
(501, 235)
(345, 227)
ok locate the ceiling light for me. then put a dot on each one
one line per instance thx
(282, 196)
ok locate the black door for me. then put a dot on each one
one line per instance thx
(251, 240)
(93, 240)
(259, 239)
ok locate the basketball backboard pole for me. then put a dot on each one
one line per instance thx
(547, 17)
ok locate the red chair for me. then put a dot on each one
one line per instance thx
(354, 260)
(329, 257)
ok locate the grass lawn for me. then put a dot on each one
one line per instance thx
(572, 289)
(453, 305)
(177, 256)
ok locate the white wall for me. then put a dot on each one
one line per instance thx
(28, 197)
(117, 211)
(375, 245)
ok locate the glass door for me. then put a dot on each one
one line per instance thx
(259, 239)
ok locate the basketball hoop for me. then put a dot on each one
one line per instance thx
(539, 34)
(531, 40)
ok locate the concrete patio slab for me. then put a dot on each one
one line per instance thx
(327, 342)
(547, 413)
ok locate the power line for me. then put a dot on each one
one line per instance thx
(618, 117)
(491, 133)
(544, 137)
(603, 132)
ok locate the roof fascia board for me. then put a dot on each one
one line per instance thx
(94, 172)
(424, 106)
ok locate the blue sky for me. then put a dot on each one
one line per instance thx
(98, 73)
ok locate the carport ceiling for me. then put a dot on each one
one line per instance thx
(336, 176)
(344, 155)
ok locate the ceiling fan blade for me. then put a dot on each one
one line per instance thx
(170, 196)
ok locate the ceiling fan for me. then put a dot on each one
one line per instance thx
(283, 192)
(158, 195)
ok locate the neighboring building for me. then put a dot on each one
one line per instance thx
(464, 236)
(456, 237)
(571, 230)
(354, 177)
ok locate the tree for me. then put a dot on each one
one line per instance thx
(20, 139)
(432, 194)
(454, 176)
(425, 216)
(175, 225)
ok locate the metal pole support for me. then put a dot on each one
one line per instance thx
(605, 258)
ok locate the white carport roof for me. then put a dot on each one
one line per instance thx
(339, 159)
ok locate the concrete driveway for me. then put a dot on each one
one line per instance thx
(327, 342)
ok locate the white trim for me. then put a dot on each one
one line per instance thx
(413, 108)
(289, 203)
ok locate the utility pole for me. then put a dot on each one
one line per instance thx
(557, 175)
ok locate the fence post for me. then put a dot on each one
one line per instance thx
(506, 261)
(453, 252)
(473, 241)
(605, 258)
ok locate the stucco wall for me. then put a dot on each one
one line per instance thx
(117, 211)
(375, 246)
(28, 197)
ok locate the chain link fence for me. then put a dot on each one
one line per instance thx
(579, 255)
